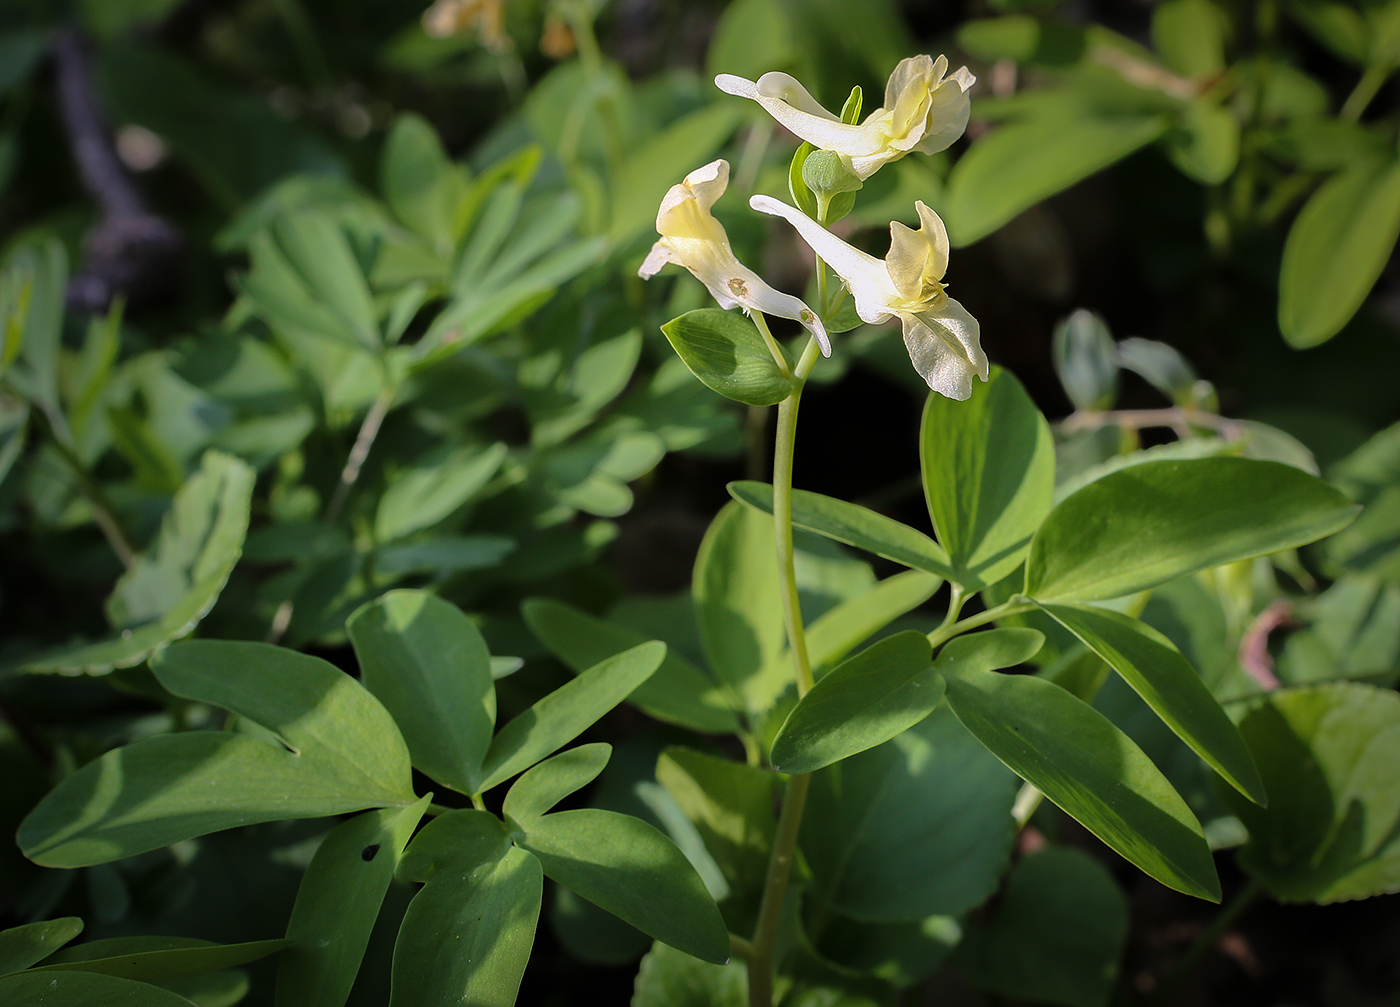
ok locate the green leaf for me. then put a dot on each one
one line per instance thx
(802, 196)
(933, 797)
(32, 287)
(1018, 164)
(169, 589)
(739, 606)
(989, 476)
(1370, 475)
(1152, 665)
(671, 978)
(1086, 360)
(567, 712)
(853, 525)
(1022, 38)
(467, 934)
(421, 184)
(338, 903)
(156, 959)
(728, 354)
(751, 38)
(1190, 36)
(428, 664)
(1151, 523)
(1055, 934)
(678, 693)
(329, 748)
(544, 785)
(1160, 365)
(732, 807)
(437, 484)
(1092, 770)
(842, 629)
(862, 702)
(1329, 756)
(22, 946)
(1336, 250)
(84, 989)
(627, 867)
(1205, 142)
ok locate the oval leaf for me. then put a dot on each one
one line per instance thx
(1336, 250)
(428, 664)
(989, 475)
(1146, 525)
(567, 712)
(678, 693)
(861, 703)
(467, 934)
(543, 786)
(1091, 769)
(729, 355)
(852, 525)
(932, 797)
(1157, 672)
(1018, 164)
(83, 989)
(22, 946)
(334, 749)
(627, 867)
(338, 903)
(1331, 760)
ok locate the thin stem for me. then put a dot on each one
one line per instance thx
(779, 357)
(1028, 799)
(1138, 419)
(359, 451)
(770, 910)
(944, 633)
(784, 442)
(1208, 938)
(742, 948)
(1364, 91)
(103, 513)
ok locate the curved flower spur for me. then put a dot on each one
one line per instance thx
(940, 334)
(925, 110)
(693, 238)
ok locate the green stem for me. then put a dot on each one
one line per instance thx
(946, 632)
(359, 451)
(103, 513)
(1364, 91)
(770, 910)
(1208, 938)
(779, 357)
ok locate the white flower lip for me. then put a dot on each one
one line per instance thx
(940, 334)
(693, 238)
(925, 109)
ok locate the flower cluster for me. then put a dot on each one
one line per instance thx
(925, 110)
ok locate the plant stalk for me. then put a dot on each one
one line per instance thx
(763, 948)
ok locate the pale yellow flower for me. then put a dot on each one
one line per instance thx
(925, 109)
(940, 334)
(693, 238)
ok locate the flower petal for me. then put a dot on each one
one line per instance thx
(948, 112)
(864, 274)
(788, 102)
(945, 349)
